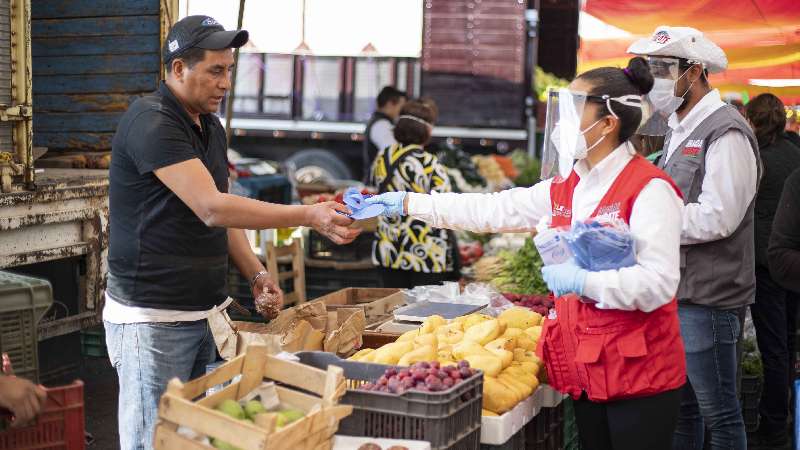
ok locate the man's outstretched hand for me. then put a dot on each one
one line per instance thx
(330, 220)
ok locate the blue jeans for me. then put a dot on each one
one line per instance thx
(710, 398)
(147, 356)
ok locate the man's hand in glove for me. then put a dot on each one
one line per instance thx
(564, 278)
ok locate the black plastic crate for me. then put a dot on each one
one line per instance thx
(449, 419)
(323, 281)
(751, 419)
(516, 442)
(546, 430)
(320, 247)
(749, 398)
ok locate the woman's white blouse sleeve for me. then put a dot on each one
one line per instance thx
(513, 210)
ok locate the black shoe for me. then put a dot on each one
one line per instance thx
(774, 441)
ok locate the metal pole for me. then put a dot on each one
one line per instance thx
(229, 103)
(532, 19)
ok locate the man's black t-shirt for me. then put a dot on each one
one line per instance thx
(161, 255)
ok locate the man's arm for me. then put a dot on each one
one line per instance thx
(193, 184)
(242, 254)
(249, 265)
(729, 186)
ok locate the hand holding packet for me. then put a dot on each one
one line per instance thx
(356, 201)
(552, 246)
(601, 246)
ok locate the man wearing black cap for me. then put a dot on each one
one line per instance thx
(173, 226)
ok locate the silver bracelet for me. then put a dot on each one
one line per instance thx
(256, 277)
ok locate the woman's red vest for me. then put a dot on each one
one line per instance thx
(611, 354)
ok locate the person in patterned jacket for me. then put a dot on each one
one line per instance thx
(409, 252)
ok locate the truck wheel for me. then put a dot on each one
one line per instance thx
(318, 165)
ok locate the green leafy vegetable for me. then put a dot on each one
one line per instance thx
(521, 271)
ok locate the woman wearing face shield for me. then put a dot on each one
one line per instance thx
(615, 343)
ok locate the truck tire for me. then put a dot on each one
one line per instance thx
(317, 165)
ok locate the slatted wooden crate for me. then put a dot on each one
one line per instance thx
(314, 391)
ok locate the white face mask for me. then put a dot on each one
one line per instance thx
(570, 142)
(662, 96)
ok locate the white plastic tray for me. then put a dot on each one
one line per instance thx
(353, 442)
(548, 397)
(498, 430)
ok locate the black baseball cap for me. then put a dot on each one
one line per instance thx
(200, 32)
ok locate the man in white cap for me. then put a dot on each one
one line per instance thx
(712, 154)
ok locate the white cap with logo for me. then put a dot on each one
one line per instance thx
(682, 42)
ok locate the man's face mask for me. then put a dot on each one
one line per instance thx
(662, 96)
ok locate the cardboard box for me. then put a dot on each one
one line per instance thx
(377, 303)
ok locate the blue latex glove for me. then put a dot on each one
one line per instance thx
(564, 278)
(391, 201)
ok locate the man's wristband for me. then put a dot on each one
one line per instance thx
(256, 277)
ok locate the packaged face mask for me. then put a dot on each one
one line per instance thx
(601, 246)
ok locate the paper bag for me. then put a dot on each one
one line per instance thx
(306, 327)
(293, 330)
(346, 327)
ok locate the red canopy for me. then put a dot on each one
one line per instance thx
(760, 37)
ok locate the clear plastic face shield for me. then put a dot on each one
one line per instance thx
(662, 100)
(564, 137)
(665, 67)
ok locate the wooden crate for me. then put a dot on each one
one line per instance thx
(184, 405)
(376, 339)
(377, 303)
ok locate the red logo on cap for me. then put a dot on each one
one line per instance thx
(662, 37)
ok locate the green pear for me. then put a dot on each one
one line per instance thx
(231, 408)
(290, 415)
(280, 420)
(253, 408)
(222, 445)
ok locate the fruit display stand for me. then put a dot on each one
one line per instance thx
(179, 407)
(60, 425)
(448, 419)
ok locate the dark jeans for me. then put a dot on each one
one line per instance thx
(407, 279)
(774, 320)
(635, 424)
(710, 398)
